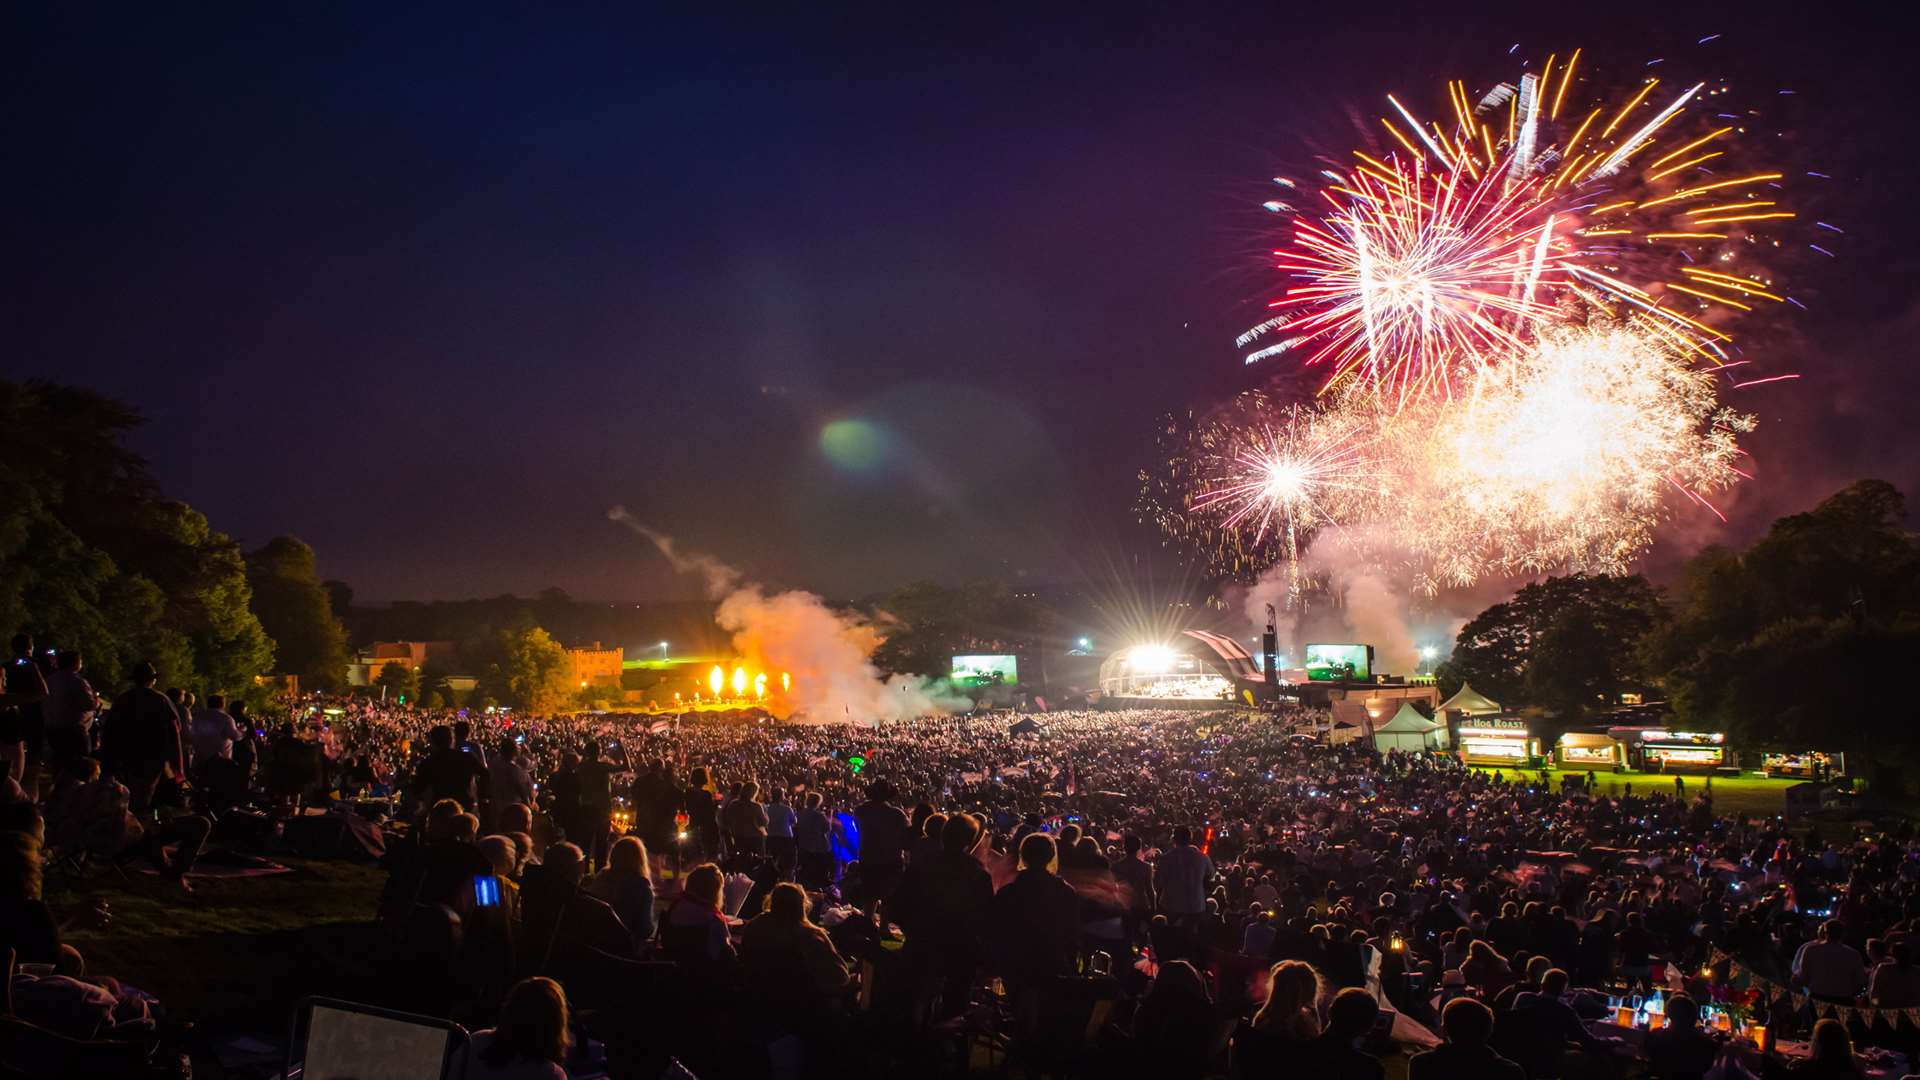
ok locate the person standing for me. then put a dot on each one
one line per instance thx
(70, 708)
(780, 842)
(213, 733)
(507, 781)
(141, 738)
(1033, 922)
(884, 835)
(20, 714)
(813, 839)
(596, 802)
(1180, 877)
(1135, 876)
(746, 822)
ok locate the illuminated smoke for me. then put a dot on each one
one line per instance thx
(828, 653)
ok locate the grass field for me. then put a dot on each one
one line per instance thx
(238, 952)
(1748, 793)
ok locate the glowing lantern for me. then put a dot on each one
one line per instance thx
(717, 679)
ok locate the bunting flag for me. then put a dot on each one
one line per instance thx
(1772, 992)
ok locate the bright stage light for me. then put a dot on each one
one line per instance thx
(1150, 657)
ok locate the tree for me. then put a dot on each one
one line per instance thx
(926, 625)
(433, 686)
(1792, 643)
(1565, 644)
(401, 683)
(522, 665)
(91, 555)
(297, 611)
(339, 596)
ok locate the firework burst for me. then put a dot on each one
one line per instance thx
(1456, 244)
(1522, 312)
(1304, 469)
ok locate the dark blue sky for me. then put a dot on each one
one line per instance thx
(433, 289)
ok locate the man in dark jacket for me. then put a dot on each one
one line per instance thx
(446, 772)
(1332, 1055)
(884, 835)
(942, 905)
(1466, 1055)
(1033, 923)
(141, 738)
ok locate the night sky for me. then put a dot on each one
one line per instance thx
(432, 289)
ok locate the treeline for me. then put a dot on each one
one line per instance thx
(1800, 640)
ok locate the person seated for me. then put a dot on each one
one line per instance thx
(1680, 1050)
(564, 927)
(1467, 1025)
(1333, 1055)
(450, 861)
(504, 856)
(1896, 980)
(1486, 969)
(627, 887)
(695, 932)
(1286, 1022)
(784, 956)
(89, 813)
(529, 1042)
(1173, 1030)
(1548, 1025)
(1829, 1057)
(1536, 969)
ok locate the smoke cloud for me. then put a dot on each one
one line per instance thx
(1349, 599)
(828, 653)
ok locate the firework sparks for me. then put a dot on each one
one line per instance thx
(1303, 471)
(1454, 246)
(1522, 314)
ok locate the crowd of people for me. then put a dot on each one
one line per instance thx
(1138, 892)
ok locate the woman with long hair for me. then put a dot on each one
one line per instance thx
(627, 887)
(694, 933)
(1286, 1022)
(529, 1043)
(1829, 1056)
(781, 945)
(1174, 1029)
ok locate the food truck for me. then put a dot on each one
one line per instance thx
(1803, 764)
(1660, 750)
(1588, 750)
(1485, 740)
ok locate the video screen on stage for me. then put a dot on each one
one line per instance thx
(1332, 663)
(985, 670)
